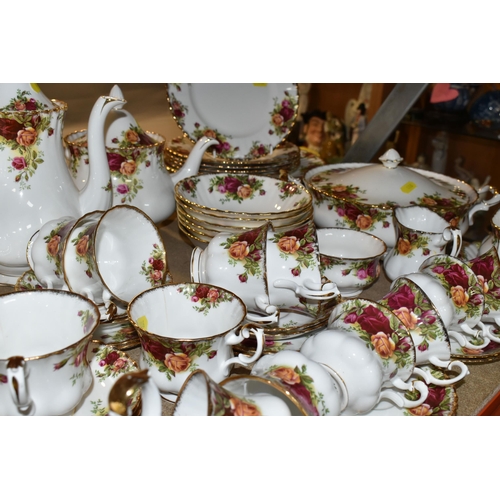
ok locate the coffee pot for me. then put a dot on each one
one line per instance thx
(35, 184)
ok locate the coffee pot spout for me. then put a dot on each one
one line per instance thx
(97, 193)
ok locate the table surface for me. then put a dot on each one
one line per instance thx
(147, 102)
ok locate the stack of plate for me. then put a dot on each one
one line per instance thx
(250, 120)
(208, 204)
(285, 156)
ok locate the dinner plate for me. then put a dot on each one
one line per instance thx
(248, 119)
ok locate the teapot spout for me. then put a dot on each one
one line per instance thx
(97, 194)
(193, 162)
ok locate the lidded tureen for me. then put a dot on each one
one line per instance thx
(363, 195)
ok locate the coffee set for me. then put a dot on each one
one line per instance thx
(278, 267)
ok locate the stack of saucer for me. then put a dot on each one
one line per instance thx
(212, 203)
(285, 156)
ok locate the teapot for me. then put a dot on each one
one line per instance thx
(35, 183)
(136, 164)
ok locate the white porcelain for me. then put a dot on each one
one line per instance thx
(421, 233)
(136, 164)
(432, 344)
(321, 393)
(36, 186)
(362, 196)
(45, 251)
(79, 267)
(44, 337)
(187, 326)
(201, 396)
(350, 259)
(129, 252)
(248, 119)
(344, 353)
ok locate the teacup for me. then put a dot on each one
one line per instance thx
(350, 258)
(420, 234)
(344, 354)
(45, 251)
(321, 393)
(441, 301)
(43, 345)
(129, 252)
(188, 326)
(248, 387)
(201, 396)
(432, 345)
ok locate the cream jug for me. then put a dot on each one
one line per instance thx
(35, 183)
(136, 164)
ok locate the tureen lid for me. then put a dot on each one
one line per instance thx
(389, 185)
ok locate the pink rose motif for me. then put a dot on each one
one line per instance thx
(156, 275)
(404, 297)
(31, 105)
(373, 321)
(362, 274)
(115, 161)
(122, 188)
(456, 276)
(19, 163)
(232, 184)
(341, 212)
(352, 212)
(286, 113)
(484, 267)
(436, 396)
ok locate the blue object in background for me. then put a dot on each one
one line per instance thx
(485, 111)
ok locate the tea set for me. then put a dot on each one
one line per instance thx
(278, 267)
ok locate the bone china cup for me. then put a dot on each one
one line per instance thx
(189, 326)
(44, 337)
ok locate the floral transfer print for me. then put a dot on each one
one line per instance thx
(410, 241)
(156, 267)
(451, 209)
(247, 249)
(381, 330)
(84, 243)
(224, 149)
(416, 312)
(172, 356)
(55, 244)
(301, 245)
(288, 189)
(22, 122)
(283, 115)
(189, 186)
(205, 297)
(301, 385)
(487, 269)
(28, 281)
(345, 192)
(367, 271)
(236, 187)
(462, 286)
(179, 110)
(258, 149)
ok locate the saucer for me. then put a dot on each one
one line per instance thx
(107, 365)
(118, 333)
(442, 401)
(488, 353)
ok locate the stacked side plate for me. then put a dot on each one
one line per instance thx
(208, 204)
(285, 156)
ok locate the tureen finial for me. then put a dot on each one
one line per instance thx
(391, 158)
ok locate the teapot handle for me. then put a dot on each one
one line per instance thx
(484, 205)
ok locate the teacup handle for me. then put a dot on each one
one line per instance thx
(463, 342)
(234, 339)
(400, 400)
(16, 379)
(273, 313)
(430, 379)
(310, 290)
(455, 235)
(487, 332)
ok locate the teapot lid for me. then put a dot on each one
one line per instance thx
(388, 185)
(23, 97)
(122, 129)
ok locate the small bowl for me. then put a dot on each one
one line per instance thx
(350, 258)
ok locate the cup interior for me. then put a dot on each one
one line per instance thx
(349, 244)
(38, 323)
